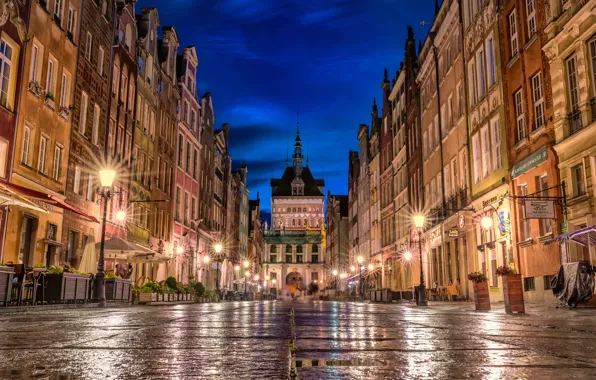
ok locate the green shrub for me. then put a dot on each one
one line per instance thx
(150, 287)
(171, 283)
(39, 265)
(112, 275)
(54, 270)
(199, 289)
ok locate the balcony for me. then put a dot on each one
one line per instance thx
(575, 121)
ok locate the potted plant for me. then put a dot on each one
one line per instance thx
(481, 296)
(50, 100)
(63, 284)
(199, 290)
(513, 291)
(149, 292)
(117, 289)
(6, 276)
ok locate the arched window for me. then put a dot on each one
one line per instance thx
(315, 248)
(288, 248)
(293, 222)
(273, 249)
(298, 249)
(305, 222)
(289, 209)
(294, 209)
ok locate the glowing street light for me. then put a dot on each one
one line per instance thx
(274, 281)
(257, 277)
(237, 268)
(206, 259)
(246, 263)
(334, 272)
(360, 259)
(486, 222)
(352, 268)
(407, 255)
(267, 277)
(218, 248)
(179, 249)
(107, 177)
(121, 215)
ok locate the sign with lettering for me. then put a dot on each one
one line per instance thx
(435, 237)
(502, 214)
(453, 232)
(529, 162)
(538, 209)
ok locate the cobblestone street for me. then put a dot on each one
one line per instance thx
(252, 340)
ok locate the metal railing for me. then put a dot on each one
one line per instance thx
(575, 121)
(593, 108)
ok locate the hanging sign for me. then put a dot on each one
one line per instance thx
(453, 232)
(462, 222)
(530, 162)
(538, 209)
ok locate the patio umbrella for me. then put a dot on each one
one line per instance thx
(88, 260)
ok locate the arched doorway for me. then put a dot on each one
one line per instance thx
(295, 280)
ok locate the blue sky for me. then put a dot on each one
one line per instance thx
(263, 60)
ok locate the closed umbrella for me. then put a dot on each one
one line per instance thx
(88, 261)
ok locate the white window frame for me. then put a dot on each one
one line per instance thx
(95, 128)
(34, 66)
(513, 33)
(58, 149)
(83, 113)
(572, 83)
(531, 17)
(592, 51)
(518, 98)
(71, 21)
(481, 72)
(51, 75)
(76, 184)
(115, 79)
(447, 176)
(538, 97)
(496, 143)
(485, 143)
(491, 60)
(43, 147)
(25, 146)
(7, 81)
(58, 7)
(90, 187)
(100, 59)
(88, 46)
(65, 90)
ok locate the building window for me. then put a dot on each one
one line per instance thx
(194, 164)
(572, 82)
(538, 101)
(579, 185)
(288, 258)
(524, 224)
(25, 148)
(481, 67)
(519, 115)
(58, 10)
(273, 249)
(178, 203)
(185, 208)
(50, 80)
(545, 224)
(71, 22)
(188, 154)
(592, 48)
(529, 284)
(76, 186)
(273, 258)
(3, 158)
(513, 33)
(314, 259)
(115, 78)
(315, 248)
(34, 74)
(490, 55)
(65, 91)
(83, 115)
(531, 17)
(95, 130)
(91, 189)
(485, 142)
(473, 83)
(496, 143)
(88, 46)
(547, 280)
(288, 248)
(41, 163)
(180, 149)
(298, 258)
(57, 163)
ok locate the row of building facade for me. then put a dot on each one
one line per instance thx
(92, 84)
(496, 106)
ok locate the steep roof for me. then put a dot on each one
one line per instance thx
(283, 186)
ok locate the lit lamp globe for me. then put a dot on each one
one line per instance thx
(352, 268)
(267, 278)
(334, 272)
(121, 215)
(237, 268)
(360, 259)
(486, 222)
(247, 273)
(106, 176)
(371, 267)
(246, 263)
(407, 255)
(257, 277)
(218, 247)
(274, 281)
(179, 249)
(418, 220)
(206, 259)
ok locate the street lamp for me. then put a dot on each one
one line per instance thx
(486, 222)
(218, 248)
(371, 267)
(179, 249)
(334, 272)
(419, 223)
(407, 255)
(107, 179)
(246, 274)
(352, 268)
(121, 215)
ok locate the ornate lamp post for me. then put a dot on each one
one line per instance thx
(419, 223)
(217, 248)
(246, 264)
(107, 179)
(360, 259)
(334, 272)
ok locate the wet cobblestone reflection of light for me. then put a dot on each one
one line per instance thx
(250, 340)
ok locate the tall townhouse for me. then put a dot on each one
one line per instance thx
(397, 99)
(88, 131)
(363, 191)
(241, 224)
(256, 242)
(43, 129)
(374, 168)
(444, 148)
(143, 151)
(410, 271)
(353, 175)
(187, 174)
(222, 191)
(531, 138)
(206, 175)
(337, 217)
(120, 68)
(486, 126)
(386, 170)
(571, 53)
(12, 40)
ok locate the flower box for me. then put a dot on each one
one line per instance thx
(65, 287)
(118, 289)
(513, 294)
(147, 297)
(6, 276)
(481, 296)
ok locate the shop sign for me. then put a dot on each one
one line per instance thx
(435, 237)
(453, 233)
(537, 209)
(564, 228)
(462, 222)
(530, 162)
(502, 213)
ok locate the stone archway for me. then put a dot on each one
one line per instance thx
(295, 280)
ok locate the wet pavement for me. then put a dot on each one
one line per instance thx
(329, 340)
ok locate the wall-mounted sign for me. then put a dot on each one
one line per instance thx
(435, 237)
(529, 162)
(564, 228)
(453, 232)
(502, 213)
(461, 222)
(538, 209)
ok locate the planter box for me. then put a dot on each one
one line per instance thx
(66, 287)
(118, 289)
(481, 297)
(6, 276)
(386, 296)
(147, 297)
(513, 294)
(372, 296)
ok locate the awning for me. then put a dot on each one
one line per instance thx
(22, 196)
(129, 250)
(585, 236)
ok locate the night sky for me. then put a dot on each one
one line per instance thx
(264, 60)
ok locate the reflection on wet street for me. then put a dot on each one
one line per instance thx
(252, 340)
